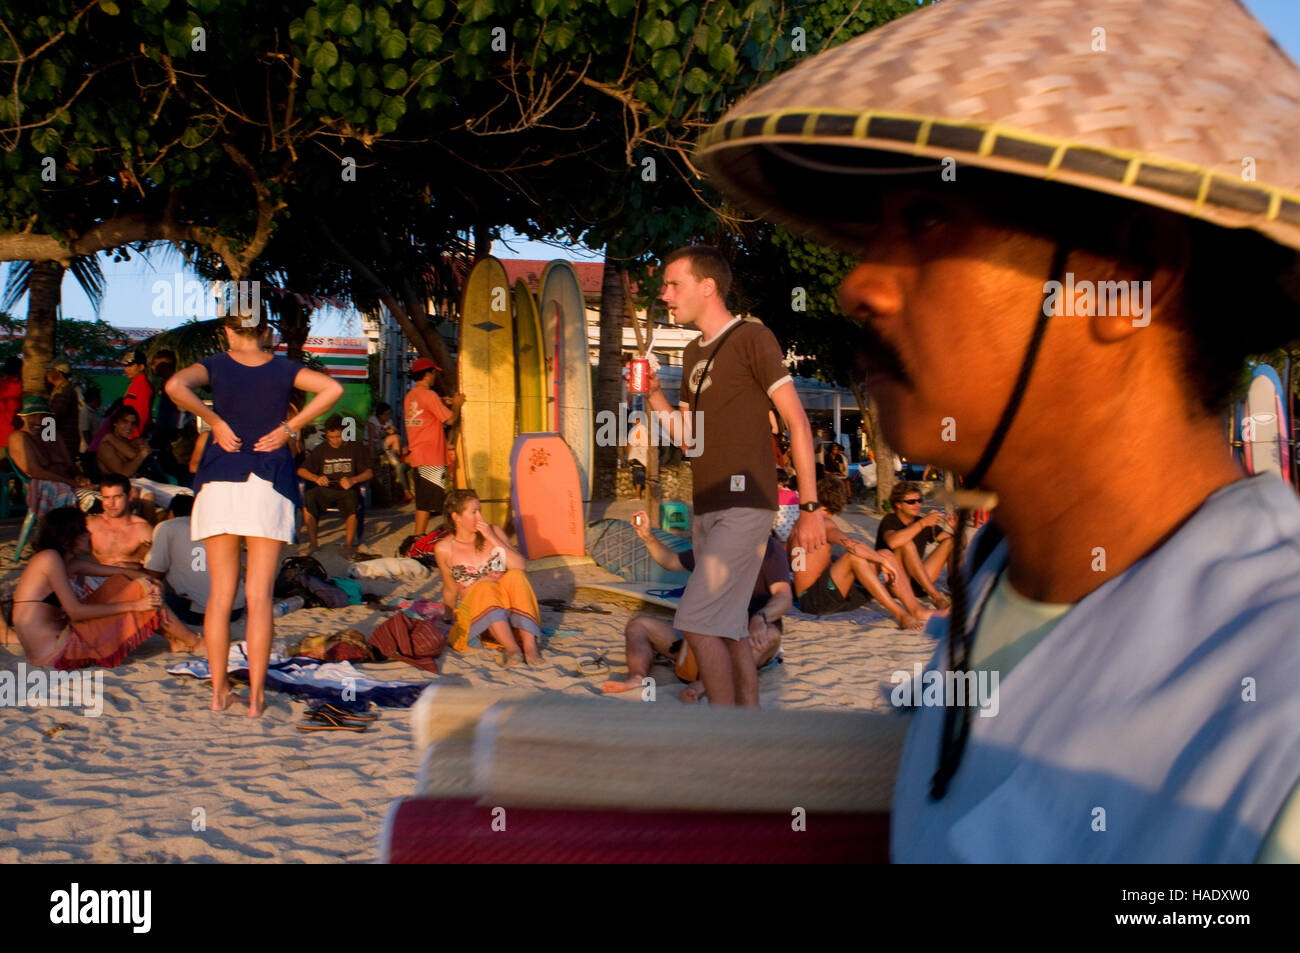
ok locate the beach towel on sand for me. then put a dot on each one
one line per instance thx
(308, 678)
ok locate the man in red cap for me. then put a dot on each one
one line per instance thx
(139, 393)
(426, 415)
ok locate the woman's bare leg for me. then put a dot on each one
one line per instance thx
(263, 562)
(532, 655)
(223, 570)
(500, 630)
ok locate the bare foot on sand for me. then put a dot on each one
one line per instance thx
(940, 601)
(910, 622)
(692, 693)
(256, 710)
(193, 642)
(223, 702)
(533, 658)
(615, 685)
(511, 658)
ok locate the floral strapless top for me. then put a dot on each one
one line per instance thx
(466, 576)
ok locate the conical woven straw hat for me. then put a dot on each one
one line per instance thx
(1190, 107)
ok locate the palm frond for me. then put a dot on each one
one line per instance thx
(90, 276)
(85, 268)
(195, 340)
(16, 280)
(190, 342)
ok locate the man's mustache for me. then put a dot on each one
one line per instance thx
(872, 353)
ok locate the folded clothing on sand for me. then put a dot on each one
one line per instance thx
(309, 678)
(392, 567)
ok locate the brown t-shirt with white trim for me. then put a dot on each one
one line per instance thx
(732, 433)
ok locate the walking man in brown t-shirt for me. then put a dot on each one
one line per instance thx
(728, 375)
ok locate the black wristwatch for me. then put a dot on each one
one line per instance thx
(812, 506)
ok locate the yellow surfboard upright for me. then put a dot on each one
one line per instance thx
(533, 389)
(487, 379)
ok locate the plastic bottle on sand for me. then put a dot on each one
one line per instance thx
(285, 606)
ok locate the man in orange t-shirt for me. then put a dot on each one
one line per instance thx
(426, 415)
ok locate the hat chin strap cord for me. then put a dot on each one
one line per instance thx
(956, 720)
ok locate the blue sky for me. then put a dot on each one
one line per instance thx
(129, 298)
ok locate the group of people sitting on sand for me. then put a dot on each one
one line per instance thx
(99, 586)
(902, 568)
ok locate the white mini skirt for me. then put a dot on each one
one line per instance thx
(251, 508)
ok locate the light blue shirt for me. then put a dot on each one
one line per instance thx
(1158, 721)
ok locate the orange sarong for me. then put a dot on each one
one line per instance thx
(509, 598)
(105, 642)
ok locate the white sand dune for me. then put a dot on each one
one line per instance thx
(133, 784)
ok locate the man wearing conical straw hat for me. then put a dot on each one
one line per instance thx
(1075, 221)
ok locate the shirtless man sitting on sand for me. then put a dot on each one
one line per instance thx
(648, 635)
(117, 537)
(825, 586)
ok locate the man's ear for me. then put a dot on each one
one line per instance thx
(1152, 256)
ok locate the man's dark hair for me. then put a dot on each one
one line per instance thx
(115, 479)
(92, 392)
(706, 262)
(901, 489)
(381, 407)
(334, 422)
(832, 494)
(60, 528)
(182, 504)
(164, 363)
(13, 366)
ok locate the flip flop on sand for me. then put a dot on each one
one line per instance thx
(345, 713)
(321, 720)
(593, 665)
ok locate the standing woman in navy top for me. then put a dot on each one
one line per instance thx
(245, 486)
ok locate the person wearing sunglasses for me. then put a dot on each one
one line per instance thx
(910, 536)
(827, 585)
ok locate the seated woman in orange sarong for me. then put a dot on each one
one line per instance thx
(483, 581)
(58, 629)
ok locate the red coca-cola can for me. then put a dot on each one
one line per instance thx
(640, 375)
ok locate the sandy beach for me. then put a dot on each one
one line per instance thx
(138, 782)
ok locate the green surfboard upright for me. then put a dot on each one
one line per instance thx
(531, 363)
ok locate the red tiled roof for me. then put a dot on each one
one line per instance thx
(590, 273)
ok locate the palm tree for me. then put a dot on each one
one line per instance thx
(42, 282)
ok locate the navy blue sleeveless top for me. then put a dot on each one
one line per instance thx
(253, 401)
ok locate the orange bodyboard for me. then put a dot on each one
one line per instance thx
(546, 494)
